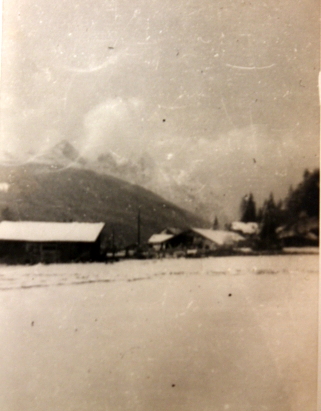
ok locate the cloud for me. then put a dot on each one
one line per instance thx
(235, 163)
(113, 125)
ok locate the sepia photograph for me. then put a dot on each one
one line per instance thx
(159, 205)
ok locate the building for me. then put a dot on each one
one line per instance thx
(196, 241)
(171, 230)
(30, 242)
(159, 241)
(206, 239)
(292, 238)
(246, 229)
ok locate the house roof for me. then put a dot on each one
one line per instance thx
(49, 231)
(159, 238)
(245, 228)
(219, 237)
(287, 234)
(171, 230)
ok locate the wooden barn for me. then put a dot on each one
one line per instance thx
(30, 242)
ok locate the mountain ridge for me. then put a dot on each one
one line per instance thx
(176, 186)
(43, 192)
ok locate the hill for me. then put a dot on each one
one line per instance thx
(43, 192)
(173, 183)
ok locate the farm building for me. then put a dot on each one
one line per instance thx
(171, 230)
(292, 238)
(29, 242)
(159, 241)
(305, 232)
(196, 241)
(246, 229)
(206, 239)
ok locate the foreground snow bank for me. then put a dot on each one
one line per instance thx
(217, 334)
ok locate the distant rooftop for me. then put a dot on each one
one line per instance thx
(159, 238)
(171, 230)
(219, 237)
(245, 228)
(49, 231)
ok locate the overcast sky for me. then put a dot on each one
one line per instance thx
(222, 86)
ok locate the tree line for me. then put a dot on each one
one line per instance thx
(300, 206)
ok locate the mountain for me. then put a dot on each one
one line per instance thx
(44, 192)
(176, 185)
(61, 154)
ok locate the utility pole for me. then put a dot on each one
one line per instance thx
(138, 228)
(113, 243)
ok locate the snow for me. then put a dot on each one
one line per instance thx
(219, 237)
(245, 228)
(159, 238)
(237, 333)
(49, 231)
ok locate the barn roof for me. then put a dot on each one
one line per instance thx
(50, 231)
(219, 237)
(159, 238)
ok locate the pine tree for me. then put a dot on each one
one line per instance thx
(216, 225)
(248, 209)
(304, 199)
(269, 225)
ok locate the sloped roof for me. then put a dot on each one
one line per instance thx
(301, 227)
(49, 231)
(245, 228)
(171, 230)
(159, 238)
(219, 237)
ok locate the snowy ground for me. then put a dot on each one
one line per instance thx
(229, 333)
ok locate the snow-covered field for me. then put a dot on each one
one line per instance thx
(228, 333)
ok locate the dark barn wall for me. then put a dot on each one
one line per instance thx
(22, 252)
(183, 240)
(299, 241)
(190, 239)
(12, 252)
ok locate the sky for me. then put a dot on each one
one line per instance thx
(224, 92)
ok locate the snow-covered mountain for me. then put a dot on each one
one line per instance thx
(47, 192)
(176, 185)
